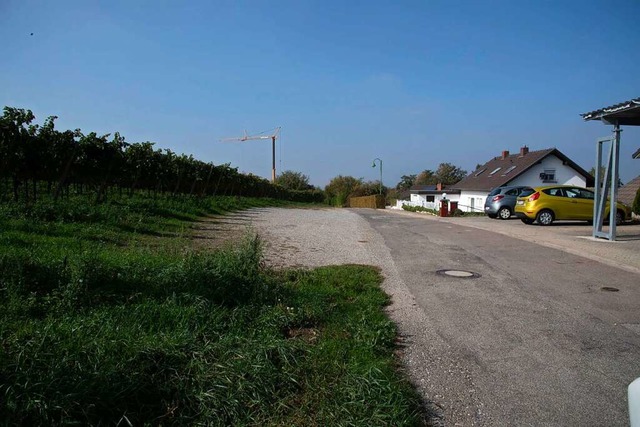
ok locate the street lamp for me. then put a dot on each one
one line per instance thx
(373, 166)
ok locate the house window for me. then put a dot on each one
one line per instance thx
(495, 170)
(509, 170)
(549, 175)
(431, 199)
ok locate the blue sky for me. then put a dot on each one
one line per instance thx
(415, 83)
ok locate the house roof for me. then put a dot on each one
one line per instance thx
(627, 193)
(506, 169)
(432, 189)
(624, 113)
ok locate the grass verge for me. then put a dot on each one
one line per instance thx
(103, 324)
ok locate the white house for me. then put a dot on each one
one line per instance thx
(531, 168)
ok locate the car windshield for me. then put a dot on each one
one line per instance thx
(495, 191)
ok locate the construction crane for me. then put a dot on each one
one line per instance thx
(272, 137)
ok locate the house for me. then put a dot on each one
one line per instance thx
(429, 196)
(531, 168)
(627, 193)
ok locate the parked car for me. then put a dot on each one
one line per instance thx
(501, 201)
(560, 202)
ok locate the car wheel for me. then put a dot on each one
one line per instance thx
(527, 221)
(545, 217)
(504, 213)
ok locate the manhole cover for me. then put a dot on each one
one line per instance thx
(461, 274)
(609, 289)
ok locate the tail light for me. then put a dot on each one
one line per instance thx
(498, 197)
(535, 196)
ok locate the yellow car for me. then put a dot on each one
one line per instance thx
(560, 202)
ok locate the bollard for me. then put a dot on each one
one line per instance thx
(634, 403)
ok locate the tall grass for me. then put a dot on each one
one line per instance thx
(102, 324)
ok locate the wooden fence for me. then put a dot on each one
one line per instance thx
(374, 202)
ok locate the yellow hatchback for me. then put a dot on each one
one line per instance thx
(562, 202)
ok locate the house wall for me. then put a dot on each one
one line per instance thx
(565, 175)
(421, 199)
(472, 201)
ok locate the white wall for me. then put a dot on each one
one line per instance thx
(565, 175)
(465, 201)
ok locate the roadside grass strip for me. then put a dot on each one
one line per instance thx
(102, 324)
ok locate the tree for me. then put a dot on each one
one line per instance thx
(339, 189)
(449, 174)
(368, 188)
(293, 180)
(426, 177)
(406, 182)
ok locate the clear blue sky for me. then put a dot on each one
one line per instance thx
(415, 83)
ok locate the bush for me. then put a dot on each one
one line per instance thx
(419, 209)
(636, 203)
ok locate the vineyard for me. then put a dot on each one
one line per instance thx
(39, 160)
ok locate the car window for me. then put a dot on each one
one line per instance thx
(512, 192)
(572, 193)
(586, 194)
(554, 192)
(527, 191)
(495, 191)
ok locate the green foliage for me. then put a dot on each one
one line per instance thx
(36, 159)
(420, 209)
(368, 188)
(636, 203)
(448, 174)
(339, 189)
(406, 182)
(426, 177)
(293, 181)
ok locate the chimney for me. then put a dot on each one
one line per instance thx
(524, 150)
(505, 154)
(439, 186)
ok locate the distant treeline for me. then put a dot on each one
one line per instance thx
(36, 159)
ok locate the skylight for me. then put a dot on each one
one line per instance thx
(480, 171)
(509, 170)
(495, 170)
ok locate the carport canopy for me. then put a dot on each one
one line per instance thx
(623, 114)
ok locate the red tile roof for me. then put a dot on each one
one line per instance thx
(627, 193)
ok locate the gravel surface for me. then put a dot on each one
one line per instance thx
(316, 237)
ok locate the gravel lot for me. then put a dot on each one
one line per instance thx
(316, 237)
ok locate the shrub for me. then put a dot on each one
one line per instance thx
(636, 203)
(419, 209)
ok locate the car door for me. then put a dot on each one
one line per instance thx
(585, 201)
(574, 204)
(558, 203)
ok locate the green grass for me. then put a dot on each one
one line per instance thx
(107, 319)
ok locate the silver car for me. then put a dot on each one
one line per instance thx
(501, 201)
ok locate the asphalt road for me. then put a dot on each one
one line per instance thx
(538, 336)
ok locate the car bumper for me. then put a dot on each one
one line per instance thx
(523, 215)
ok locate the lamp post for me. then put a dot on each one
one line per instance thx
(373, 166)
